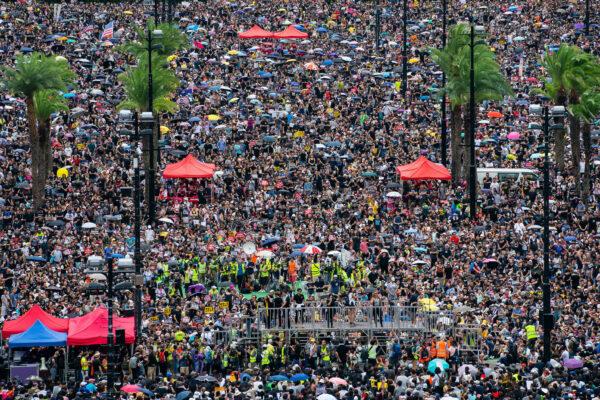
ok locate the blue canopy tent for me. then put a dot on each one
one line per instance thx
(38, 335)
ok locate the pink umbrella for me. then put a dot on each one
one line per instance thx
(131, 389)
(514, 136)
(338, 381)
(310, 249)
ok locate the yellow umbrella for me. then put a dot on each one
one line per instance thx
(233, 52)
(62, 38)
(164, 130)
(234, 100)
(511, 157)
(298, 134)
(172, 57)
(213, 117)
(128, 12)
(430, 308)
(413, 60)
(282, 10)
(62, 173)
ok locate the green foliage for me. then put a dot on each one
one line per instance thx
(588, 108)
(454, 60)
(37, 72)
(47, 102)
(135, 83)
(173, 40)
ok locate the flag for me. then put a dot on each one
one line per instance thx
(198, 45)
(108, 31)
(87, 29)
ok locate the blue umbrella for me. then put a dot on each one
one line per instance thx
(269, 241)
(147, 392)
(278, 378)
(334, 143)
(36, 258)
(90, 387)
(410, 231)
(321, 29)
(194, 119)
(263, 74)
(437, 363)
(26, 50)
(298, 246)
(327, 63)
(570, 239)
(420, 249)
(300, 27)
(184, 395)
(245, 377)
(214, 88)
(295, 253)
(299, 377)
(193, 27)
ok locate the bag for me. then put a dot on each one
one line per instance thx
(364, 354)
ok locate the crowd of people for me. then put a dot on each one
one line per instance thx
(304, 157)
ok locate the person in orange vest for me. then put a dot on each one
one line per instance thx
(432, 350)
(292, 271)
(442, 349)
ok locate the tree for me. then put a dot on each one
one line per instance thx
(38, 78)
(586, 110)
(490, 84)
(571, 72)
(172, 40)
(135, 84)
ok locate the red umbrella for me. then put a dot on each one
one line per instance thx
(494, 114)
(310, 249)
(131, 389)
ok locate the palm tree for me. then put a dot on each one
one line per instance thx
(571, 72)
(38, 78)
(586, 110)
(164, 85)
(490, 84)
(172, 40)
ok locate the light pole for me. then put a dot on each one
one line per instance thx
(404, 49)
(546, 316)
(156, 21)
(444, 124)
(151, 180)
(377, 26)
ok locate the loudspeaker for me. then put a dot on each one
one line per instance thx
(120, 336)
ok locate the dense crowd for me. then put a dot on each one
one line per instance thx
(304, 157)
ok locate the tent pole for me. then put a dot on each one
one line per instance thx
(66, 373)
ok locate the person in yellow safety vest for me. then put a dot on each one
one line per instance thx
(382, 384)
(202, 268)
(195, 275)
(232, 270)
(225, 361)
(315, 269)
(187, 278)
(253, 357)
(282, 354)
(85, 367)
(179, 336)
(264, 273)
(325, 356)
(265, 357)
(373, 382)
(530, 334)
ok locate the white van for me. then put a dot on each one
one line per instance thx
(504, 174)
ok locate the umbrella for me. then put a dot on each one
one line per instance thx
(183, 395)
(147, 392)
(213, 117)
(534, 227)
(327, 63)
(326, 396)
(393, 194)
(514, 136)
(310, 249)
(265, 254)
(270, 240)
(311, 66)
(494, 114)
(467, 368)
(166, 220)
(278, 378)
(299, 378)
(194, 119)
(338, 381)
(489, 260)
(573, 363)
(419, 262)
(56, 223)
(36, 259)
(334, 253)
(205, 378)
(97, 277)
(130, 389)
(89, 225)
(437, 363)
(249, 248)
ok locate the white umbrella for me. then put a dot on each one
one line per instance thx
(96, 92)
(249, 248)
(534, 227)
(310, 249)
(334, 253)
(97, 277)
(166, 220)
(419, 262)
(265, 254)
(89, 225)
(394, 194)
(346, 58)
(326, 396)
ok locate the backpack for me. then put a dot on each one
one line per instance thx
(364, 353)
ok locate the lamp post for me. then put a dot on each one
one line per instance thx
(377, 26)
(444, 127)
(404, 48)
(151, 180)
(156, 20)
(546, 317)
(170, 11)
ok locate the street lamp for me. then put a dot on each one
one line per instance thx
(546, 317)
(377, 25)
(151, 180)
(404, 49)
(127, 116)
(444, 126)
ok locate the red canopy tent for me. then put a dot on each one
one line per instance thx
(92, 328)
(423, 170)
(189, 167)
(26, 320)
(291, 32)
(256, 32)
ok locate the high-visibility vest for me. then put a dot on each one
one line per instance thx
(265, 358)
(442, 349)
(225, 361)
(373, 352)
(373, 382)
(283, 354)
(194, 275)
(253, 354)
(315, 270)
(264, 270)
(325, 354)
(202, 268)
(432, 351)
(530, 332)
